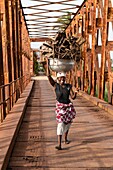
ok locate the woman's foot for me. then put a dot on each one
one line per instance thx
(67, 142)
(58, 147)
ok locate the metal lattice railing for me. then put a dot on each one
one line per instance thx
(9, 94)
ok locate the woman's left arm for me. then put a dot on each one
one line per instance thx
(73, 93)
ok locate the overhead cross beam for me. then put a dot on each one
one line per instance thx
(49, 3)
(39, 39)
(41, 18)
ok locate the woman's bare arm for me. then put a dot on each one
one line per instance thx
(51, 80)
(73, 93)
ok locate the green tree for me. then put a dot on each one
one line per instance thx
(64, 20)
(111, 64)
(35, 63)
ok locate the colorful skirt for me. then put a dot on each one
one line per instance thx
(65, 112)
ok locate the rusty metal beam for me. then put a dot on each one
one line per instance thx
(14, 41)
(41, 11)
(1, 52)
(104, 35)
(93, 58)
(59, 2)
(63, 10)
(8, 40)
(35, 50)
(40, 39)
(98, 32)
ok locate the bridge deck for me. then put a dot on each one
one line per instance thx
(91, 135)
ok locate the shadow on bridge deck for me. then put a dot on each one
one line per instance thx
(91, 135)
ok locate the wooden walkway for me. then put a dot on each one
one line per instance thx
(91, 135)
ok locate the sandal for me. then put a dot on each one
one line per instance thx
(67, 142)
(58, 147)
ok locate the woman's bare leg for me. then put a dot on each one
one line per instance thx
(59, 142)
(66, 134)
(66, 137)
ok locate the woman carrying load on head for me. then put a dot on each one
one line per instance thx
(65, 111)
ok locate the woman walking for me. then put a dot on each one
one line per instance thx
(65, 111)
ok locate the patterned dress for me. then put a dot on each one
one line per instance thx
(65, 112)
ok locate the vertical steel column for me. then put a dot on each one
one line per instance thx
(2, 91)
(1, 53)
(85, 48)
(14, 40)
(17, 34)
(8, 45)
(93, 59)
(20, 41)
(11, 50)
(103, 59)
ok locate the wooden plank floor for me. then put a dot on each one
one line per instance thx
(91, 136)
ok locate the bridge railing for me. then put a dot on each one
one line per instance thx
(9, 94)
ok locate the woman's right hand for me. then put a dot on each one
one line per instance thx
(47, 70)
(46, 67)
(51, 80)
